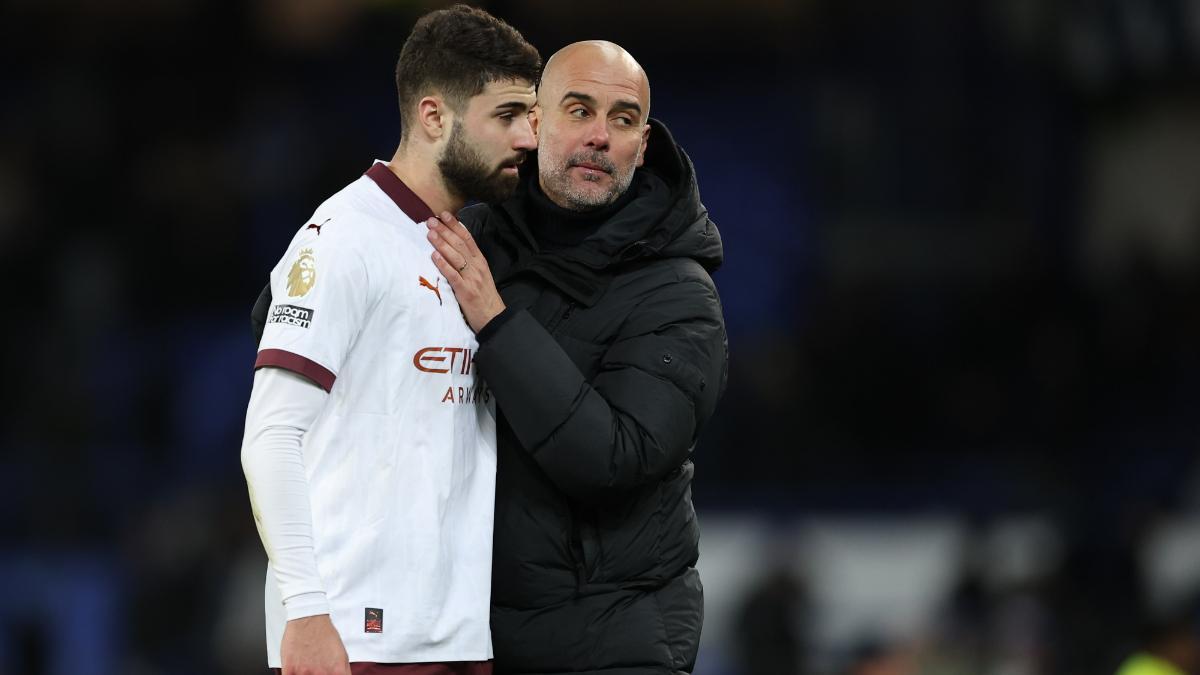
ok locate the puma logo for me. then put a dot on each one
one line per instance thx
(314, 226)
(426, 284)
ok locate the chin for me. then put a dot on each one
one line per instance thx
(588, 187)
(590, 200)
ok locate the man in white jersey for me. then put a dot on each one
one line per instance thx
(369, 449)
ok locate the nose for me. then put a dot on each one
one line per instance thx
(597, 134)
(525, 139)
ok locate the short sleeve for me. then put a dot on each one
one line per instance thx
(319, 301)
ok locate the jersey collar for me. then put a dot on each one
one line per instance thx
(405, 198)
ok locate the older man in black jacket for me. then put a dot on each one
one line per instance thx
(605, 348)
(602, 339)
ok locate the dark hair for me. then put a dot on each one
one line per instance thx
(456, 52)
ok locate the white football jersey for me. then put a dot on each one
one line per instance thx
(401, 462)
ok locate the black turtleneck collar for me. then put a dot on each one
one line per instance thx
(555, 227)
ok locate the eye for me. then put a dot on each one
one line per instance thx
(505, 117)
(579, 113)
(624, 121)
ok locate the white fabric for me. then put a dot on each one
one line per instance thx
(282, 407)
(400, 461)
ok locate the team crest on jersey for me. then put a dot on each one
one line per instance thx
(303, 275)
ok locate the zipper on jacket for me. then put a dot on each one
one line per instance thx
(577, 552)
(576, 541)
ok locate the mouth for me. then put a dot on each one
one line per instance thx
(509, 167)
(591, 173)
(589, 166)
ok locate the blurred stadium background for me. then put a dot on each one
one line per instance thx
(962, 290)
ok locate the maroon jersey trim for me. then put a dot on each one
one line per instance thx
(297, 364)
(405, 198)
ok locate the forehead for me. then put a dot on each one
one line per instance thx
(498, 93)
(599, 82)
(601, 86)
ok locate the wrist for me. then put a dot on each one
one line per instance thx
(486, 315)
(490, 327)
(306, 605)
(496, 310)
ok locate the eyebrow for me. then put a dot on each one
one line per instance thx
(621, 104)
(513, 105)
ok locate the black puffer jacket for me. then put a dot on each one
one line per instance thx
(606, 365)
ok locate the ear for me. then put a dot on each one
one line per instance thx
(433, 117)
(645, 139)
(535, 118)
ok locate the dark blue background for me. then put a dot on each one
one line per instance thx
(905, 192)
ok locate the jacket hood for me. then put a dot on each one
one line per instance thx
(665, 219)
(684, 230)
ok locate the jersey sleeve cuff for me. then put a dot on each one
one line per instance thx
(306, 604)
(314, 371)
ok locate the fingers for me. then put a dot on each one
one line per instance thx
(449, 272)
(439, 231)
(455, 226)
(444, 244)
(450, 234)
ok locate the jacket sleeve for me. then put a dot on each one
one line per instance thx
(639, 418)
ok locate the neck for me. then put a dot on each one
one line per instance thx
(418, 169)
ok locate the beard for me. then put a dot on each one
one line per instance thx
(558, 181)
(469, 177)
